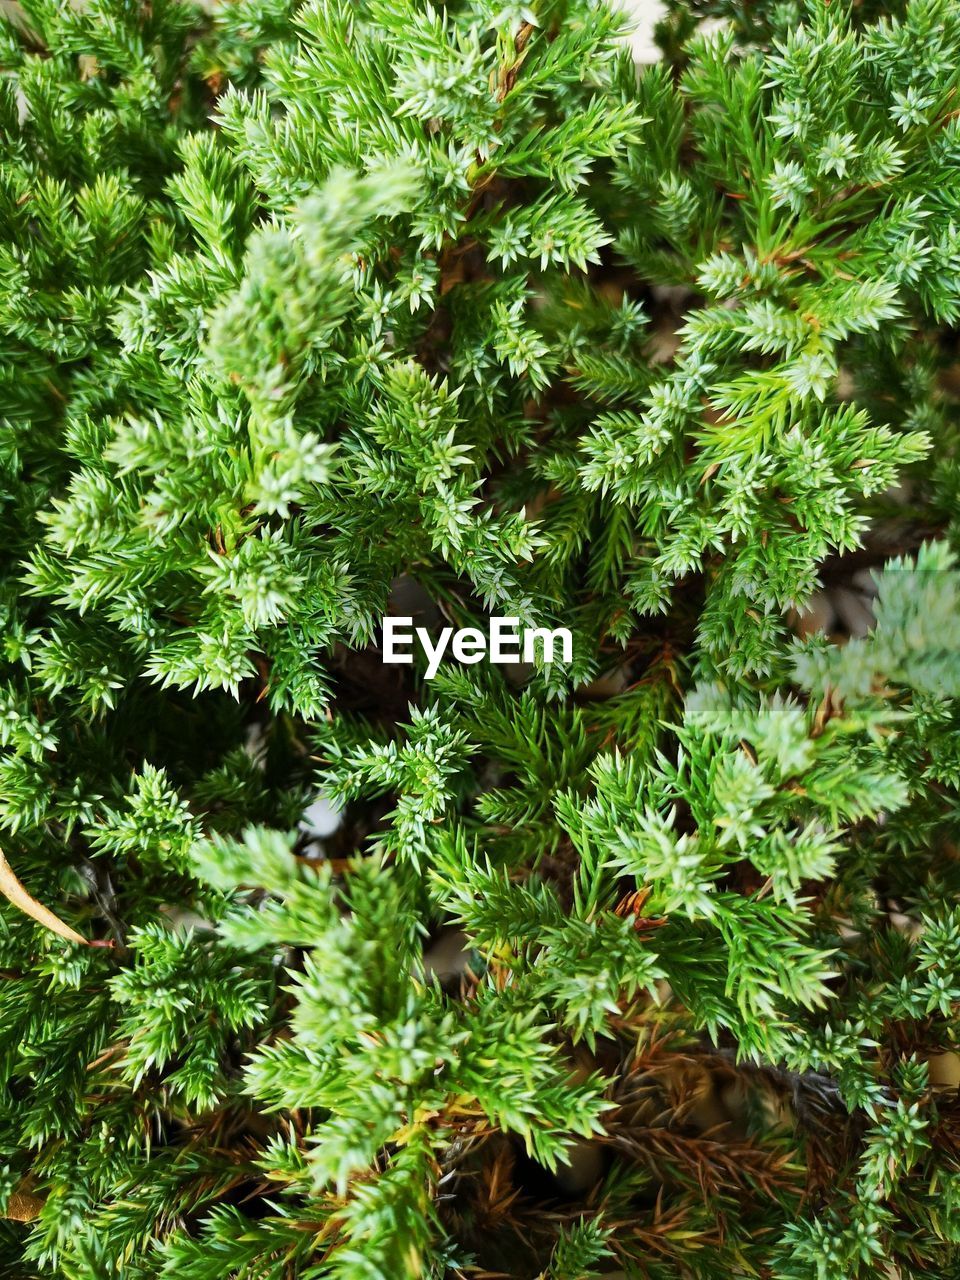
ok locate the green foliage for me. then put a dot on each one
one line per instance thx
(308, 310)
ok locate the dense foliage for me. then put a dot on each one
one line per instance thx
(311, 311)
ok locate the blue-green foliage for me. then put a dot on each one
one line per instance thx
(307, 306)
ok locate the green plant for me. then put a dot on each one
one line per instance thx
(310, 310)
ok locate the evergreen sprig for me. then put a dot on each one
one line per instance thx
(642, 964)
